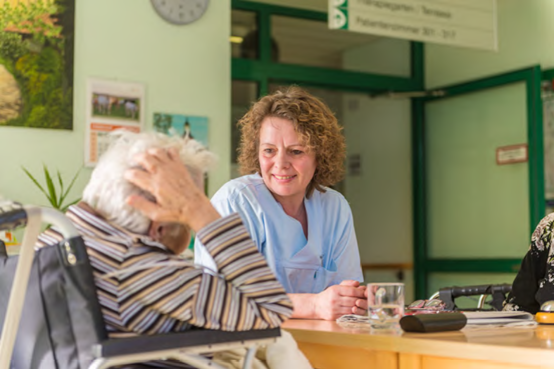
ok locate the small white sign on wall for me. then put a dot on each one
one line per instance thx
(511, 154)
(469, 23)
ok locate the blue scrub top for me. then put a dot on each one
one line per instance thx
(329, 256)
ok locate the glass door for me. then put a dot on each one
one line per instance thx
(473, 215)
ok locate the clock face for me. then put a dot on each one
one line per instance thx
(180, 11)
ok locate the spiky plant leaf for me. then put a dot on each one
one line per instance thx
(60, 181)
(35, 181)
(64, 209)
(64, 194)
(53, 198)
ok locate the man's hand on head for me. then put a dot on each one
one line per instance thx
(178, 198)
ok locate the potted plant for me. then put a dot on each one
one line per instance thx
(56, 196)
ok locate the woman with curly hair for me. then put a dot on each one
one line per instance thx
(291, 150)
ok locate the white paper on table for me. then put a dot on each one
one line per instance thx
(496, 317)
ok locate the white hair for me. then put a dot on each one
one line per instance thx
(107, 190)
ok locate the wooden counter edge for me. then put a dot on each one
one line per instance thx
(427, 347)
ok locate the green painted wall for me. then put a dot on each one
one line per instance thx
(186, 69)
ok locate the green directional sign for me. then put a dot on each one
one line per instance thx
(338, 18)
(469, 23)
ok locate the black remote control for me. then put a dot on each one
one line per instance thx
(439, 322)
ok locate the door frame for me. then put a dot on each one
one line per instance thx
(265, 71)
(423, 264)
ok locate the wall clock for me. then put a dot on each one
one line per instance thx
(180, 11)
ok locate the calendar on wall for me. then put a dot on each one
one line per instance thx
(111, 105)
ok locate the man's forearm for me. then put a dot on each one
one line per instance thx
(205, 214)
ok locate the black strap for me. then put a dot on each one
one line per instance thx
(3, 250)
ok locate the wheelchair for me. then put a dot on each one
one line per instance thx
(497, 292)
(53, 289)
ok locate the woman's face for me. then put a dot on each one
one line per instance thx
(287, 166)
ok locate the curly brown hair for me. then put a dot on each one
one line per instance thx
(313, 121)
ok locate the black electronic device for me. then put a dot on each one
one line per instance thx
(439, 322)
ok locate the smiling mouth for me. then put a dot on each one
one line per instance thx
(282, 178)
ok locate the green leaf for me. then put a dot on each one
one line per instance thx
(53, 198)
(64, 195)
(35, 181)
(64, 209)
(60, 181)
(57, 202)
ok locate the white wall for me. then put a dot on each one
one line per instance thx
(379, 130)
(388, 56)
(186, 69)
(381, 195)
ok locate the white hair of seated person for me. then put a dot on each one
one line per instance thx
(108, 190)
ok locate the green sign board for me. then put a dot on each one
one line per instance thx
(469, 23)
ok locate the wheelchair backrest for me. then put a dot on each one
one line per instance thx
(61, 318)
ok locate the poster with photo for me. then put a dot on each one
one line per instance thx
(182, 126)
(111, 105)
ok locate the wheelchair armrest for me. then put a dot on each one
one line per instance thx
(169, 341)
(498, 291)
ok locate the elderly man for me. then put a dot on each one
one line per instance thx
(144, 197)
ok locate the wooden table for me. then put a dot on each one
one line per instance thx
(330, 346)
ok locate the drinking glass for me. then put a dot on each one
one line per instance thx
(385, 305)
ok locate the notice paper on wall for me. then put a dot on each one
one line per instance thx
(468, 23)
(512, 154)
(111, 105)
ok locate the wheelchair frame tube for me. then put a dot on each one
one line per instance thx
(35, 217)
(187, 355)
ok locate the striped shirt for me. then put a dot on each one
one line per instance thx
(143, 288)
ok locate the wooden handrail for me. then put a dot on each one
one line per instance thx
(387, 266)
